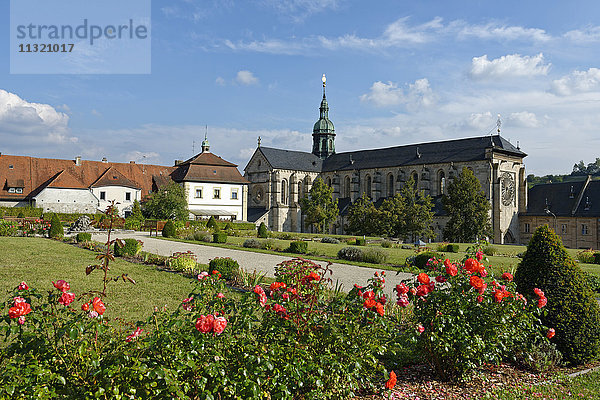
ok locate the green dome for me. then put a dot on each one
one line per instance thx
(323, 125)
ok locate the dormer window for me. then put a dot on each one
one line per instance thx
(10, 166)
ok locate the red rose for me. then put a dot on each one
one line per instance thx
(539, 292)
(507, 276)
(135, 334)
(450, 268)
(402, 288)
(205, 323)
(23, 286)
(423, 278)
(476, 282)
(542, 301)
(550, 334)
(420, 328)
(423, 290)
(66, 298)
(85, 307)
(403, 300)
(369, 303)
(380, 309)
(440, 279)
(62, 285)
(391, 382)
(98, 305)
(19, 310)
(219, 325)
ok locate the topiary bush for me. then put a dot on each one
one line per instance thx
(252, 243)
(596, 258)
(572, 308)
(262, 231)
(350, 254)
(56, 228)
(330, 240)
(374, 255)
(219, 237)
(298, 247)
(452, 248)
(586, 256)
(489, 250)
(131, 248)
(226, 266)
(229, 226)
(360, 242)
(212, 223)
(420, 260)
(182, 262)
(169, 230)
(83, 237)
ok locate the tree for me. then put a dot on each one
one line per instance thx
(362, 216)
(572, 309)
(136, 210)
(56, 228)
(167, 203)
(414, 212)
(262, 231)
(468, 209)
(318, 206)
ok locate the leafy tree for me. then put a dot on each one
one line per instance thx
(410, 212)
(136, 210)
(167, 203)
(572, 309)
(318, 206)
(468, 209)
(362, 216)
(262, 231)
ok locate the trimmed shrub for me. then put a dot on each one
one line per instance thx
(83, 237)
(593, 281)
(298, 247)
(26, 211)
(182, 261)
(169, 230)
(262, 231)
(350, 254)
(203, 237)
(7, 228)
(56, 228)
(452, 248)
(229, 226)
(387, 244)
(212, 223)
(374, 255)
(219, 237)
(420, 260)
(330, 240)
(268, 244)
(586, 256)
(572, 308)
(596, 258)
(360, 242)
(226, 266)
(131, 248)
(489, 250)
(132, 223)
(252, 243)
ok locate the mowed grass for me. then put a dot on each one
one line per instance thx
(505, 259)
(40, 261)
(585, 386)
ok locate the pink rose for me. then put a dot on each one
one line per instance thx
(220, 295)
(62, 285)
(66, 298)
(205, 323)
(23, 286)
(403, 300)
(219, 325)
(420, 328)
(134, 335)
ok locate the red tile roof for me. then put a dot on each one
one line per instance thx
(112, 177)
(207, 158)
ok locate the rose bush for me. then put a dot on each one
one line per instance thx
(465, 316)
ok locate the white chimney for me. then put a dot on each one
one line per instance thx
(104, 160)
(78, 160)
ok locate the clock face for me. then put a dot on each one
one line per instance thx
(507, 185)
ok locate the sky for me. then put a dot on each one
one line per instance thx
(398, 72)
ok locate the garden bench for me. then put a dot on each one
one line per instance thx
(154, 226)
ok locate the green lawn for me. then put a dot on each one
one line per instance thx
(40, 261)
(505, 260)
(581, 387)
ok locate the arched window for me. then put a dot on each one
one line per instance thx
(347, 187)
(390, 185)
(328, 181)
(368, 186)
(441, 182)
(284, 189)
(415, 177)
(300, 194)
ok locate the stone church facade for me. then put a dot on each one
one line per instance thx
(279, 178)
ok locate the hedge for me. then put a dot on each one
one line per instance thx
(220, 237)
(298, 247)
(31, 212)
(131, 248)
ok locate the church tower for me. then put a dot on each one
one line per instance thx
(323, 131)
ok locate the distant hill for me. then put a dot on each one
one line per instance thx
(579, 173)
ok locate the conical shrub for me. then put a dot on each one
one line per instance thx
(572, 308)
(56, 228)
(169, 230)
(262, 231)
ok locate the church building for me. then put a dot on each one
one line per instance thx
(279, 178)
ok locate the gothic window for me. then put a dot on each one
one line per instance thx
(300, 195)
(368, 186)
(284, 188)
(347, 186)
(329, 182)
(390, 185)
(441, 182)
(415, 177)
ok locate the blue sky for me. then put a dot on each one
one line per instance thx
(398, 72)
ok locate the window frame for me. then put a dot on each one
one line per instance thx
(234, 191)
(128, 196)
(103, 195)
(217, 193)
(198, 189)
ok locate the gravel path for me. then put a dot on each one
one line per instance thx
(344, 274)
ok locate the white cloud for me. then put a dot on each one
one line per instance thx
(389, 94)
(589, 34)
(523, 119)
(493, 31)
(299, 10)
(512, 65)
(577, 82)
(220, 81)
(246, 77)
(398, 34)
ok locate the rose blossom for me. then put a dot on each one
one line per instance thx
(507, 276)
(402, 288)
(391, 382)
(403, 300)
(62, 285)
(550, 334)
(135, 334)
(423, 278)
(23, 286)
(219, 325)
(220, 295)
(205, 323)
(66, 298)
(98, 305)
(420, 328)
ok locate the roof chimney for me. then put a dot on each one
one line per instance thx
(104, 160)
(78, 160)
(131, 162)
(177, 162)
